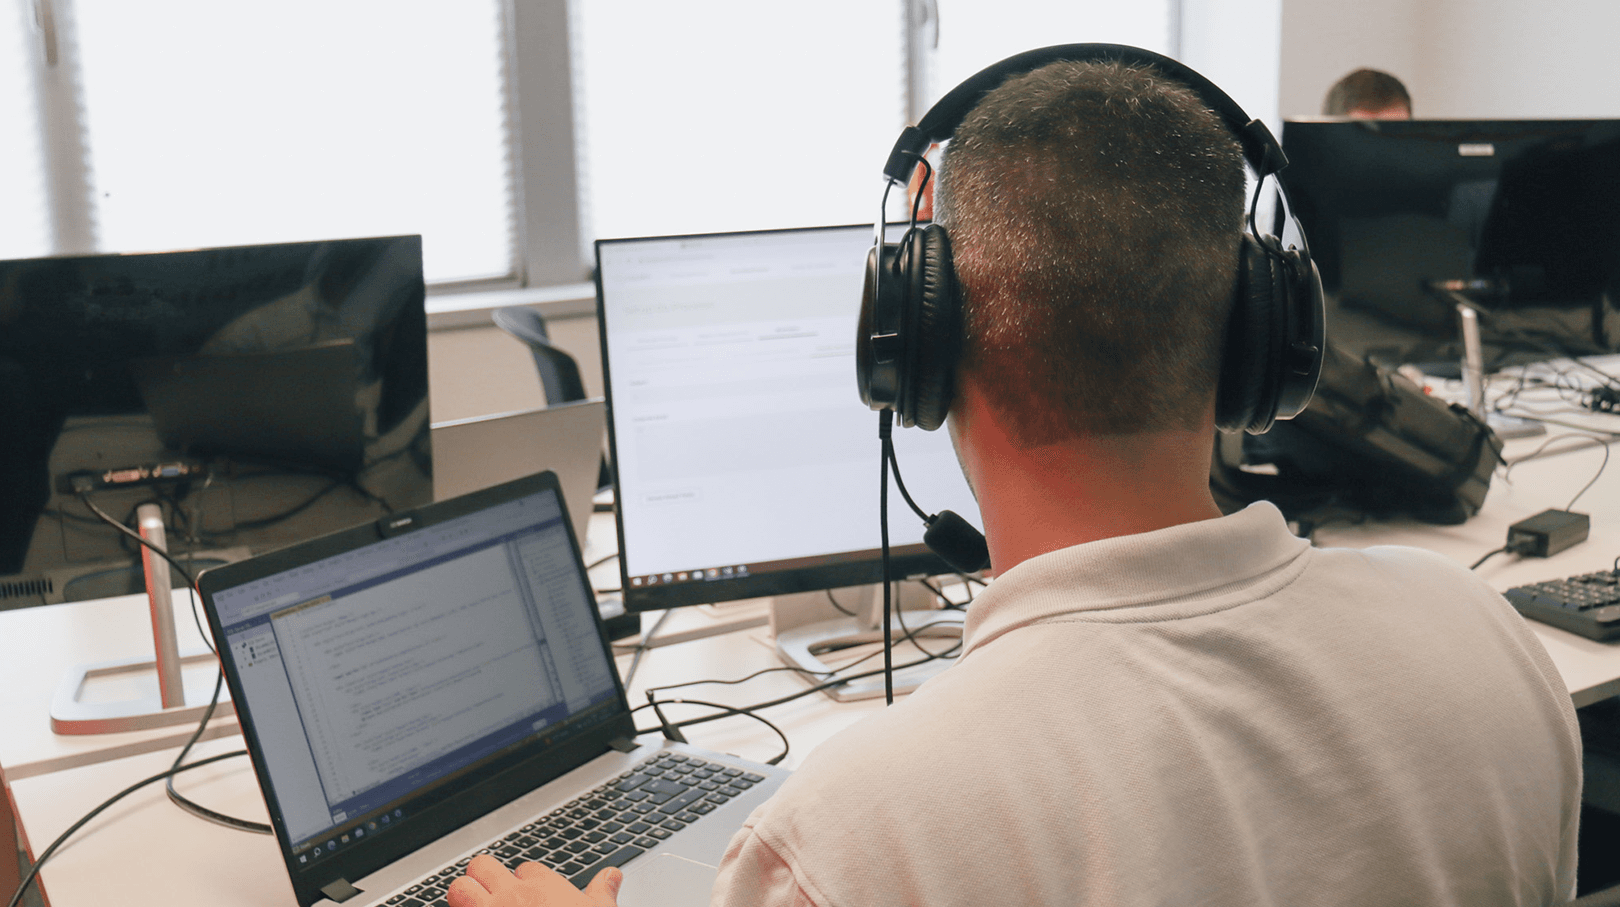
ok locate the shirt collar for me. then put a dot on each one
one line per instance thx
(1191, 564)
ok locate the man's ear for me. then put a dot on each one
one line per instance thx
(925, 210)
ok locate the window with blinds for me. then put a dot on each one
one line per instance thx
(184, 123)
(25, 228)
(204, 123)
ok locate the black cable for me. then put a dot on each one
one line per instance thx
(273, 519)
(1600, 442)
(33, 871)
(195, 540)
(191, 581)
(1592, 481)
(643, 646)
(841, 609)
(909, 635)
(939, 593)
(671, 732)
(1554, 346)
(922, 187)
(1488, 556)
(197, 809)
(894, 467)
(728, 712)
(748, 677)
(885, 426)
(782, 700)
(178, 798)
(806, 672)
(113, 522)
(601, 560)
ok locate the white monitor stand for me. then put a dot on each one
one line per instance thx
(801, 645)
(153, 692)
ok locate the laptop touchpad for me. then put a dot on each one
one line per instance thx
(667, 881)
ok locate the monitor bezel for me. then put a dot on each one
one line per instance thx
(835, 570)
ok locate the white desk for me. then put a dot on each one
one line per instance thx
(37, 647)
(1549, 482)
(145, 845)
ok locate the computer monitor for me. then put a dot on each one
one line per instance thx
(261, 395)
(1525, 213)
(746, 465)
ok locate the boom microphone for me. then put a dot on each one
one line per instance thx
(957, 541)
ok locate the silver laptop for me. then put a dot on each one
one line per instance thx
(438, 684)
(470, 454)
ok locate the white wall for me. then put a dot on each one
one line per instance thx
(1324, 39)
(1459, 58)
(1508, 58)
(1233, 43)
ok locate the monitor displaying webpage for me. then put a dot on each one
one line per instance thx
(740, 441)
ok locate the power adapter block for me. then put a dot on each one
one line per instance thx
(1548, 533)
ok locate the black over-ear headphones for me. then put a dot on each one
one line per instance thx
(911, 315)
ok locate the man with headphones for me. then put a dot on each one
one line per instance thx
(1156, 703)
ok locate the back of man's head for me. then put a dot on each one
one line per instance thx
(1368, 94)
(1095, 212)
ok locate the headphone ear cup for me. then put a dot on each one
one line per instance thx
(1305, 338)
(936, 340)
(1246, 399)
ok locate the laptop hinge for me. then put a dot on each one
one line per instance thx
(339, 890)
(623, 744)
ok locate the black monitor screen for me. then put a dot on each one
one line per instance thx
(746, 464)
(260, 395)
(1528, 211)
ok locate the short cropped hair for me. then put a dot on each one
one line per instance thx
(1095, 211)
(1365, 89)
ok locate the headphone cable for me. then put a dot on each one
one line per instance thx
(885, 430)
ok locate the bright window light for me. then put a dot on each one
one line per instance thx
(714, 115)
(25, 227)
(215, 123)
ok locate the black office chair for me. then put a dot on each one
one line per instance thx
(559, 373)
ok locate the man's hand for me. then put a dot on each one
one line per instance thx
(489, 884)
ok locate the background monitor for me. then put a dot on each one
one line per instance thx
(262, 394)
(1526, 210)
(746, 464)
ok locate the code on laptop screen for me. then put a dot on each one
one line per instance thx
(377, 673)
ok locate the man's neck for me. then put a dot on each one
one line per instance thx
(1040, 499)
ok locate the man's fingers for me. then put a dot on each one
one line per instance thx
(488, 884)
(488, 871)
(604, 889)
(531, 872)
(466, 892)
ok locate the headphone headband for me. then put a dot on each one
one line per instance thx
(908, 337)
(1260, 147)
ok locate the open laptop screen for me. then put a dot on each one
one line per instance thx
(378, 677)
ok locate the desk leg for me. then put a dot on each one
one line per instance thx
(9, 873)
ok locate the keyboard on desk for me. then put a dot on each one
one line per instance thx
(1588, 604)
(609, 826)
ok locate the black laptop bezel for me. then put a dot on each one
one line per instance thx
(489, 785)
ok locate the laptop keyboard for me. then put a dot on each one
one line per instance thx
(609, 826)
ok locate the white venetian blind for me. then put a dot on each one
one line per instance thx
(974, 33)
(218, 123)
(718, 115)
(25, 222)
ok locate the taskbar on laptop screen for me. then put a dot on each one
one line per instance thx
(730, 582)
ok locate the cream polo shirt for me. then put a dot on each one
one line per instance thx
(1213, 713)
